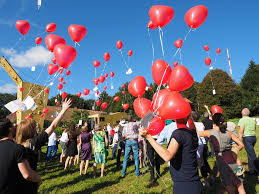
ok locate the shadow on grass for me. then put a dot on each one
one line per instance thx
(98, 186)
(250, 183)
(63, 173)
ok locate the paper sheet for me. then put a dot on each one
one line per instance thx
(15, 105)
(29, 103)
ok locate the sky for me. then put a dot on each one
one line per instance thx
(231, 24)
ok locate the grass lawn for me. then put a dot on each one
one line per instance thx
(56, 180)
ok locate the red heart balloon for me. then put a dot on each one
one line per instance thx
(196, 16)
(60, 86)
(161, 15)
(45, 110)
(178, 43)
(218, 50)
(38, 40)
(77, 32)
(60, 70)
(106, 56)
(175, 63)
(216, 109)
(22, 26)
(65, 55)
(137, 86)
(86, 91)
(174, 107)
(51, 40)
(106, 75)
(116, 98)
(141, 106)
(97, 92)
(68, 72)
(58, 103)
(60, 79)
(156, 125)
(123, 92)
(123, 86)
(54, 60)
(206, 48)
(180, 79)
(158, 99)
(96, 81)
(112, 74)
(160, 69)
(47, 90)
(64, 95)
(21, 89)
(101, 79)
(104, 105)
(105, 87)
(207, 61)
(52, 69)
(125, 106)
(51, 27)
(79, 94)
(98, 102)
(96, 63)
(119, 44)
(64, 83)
(42, 116)
(150, 88)
(151, 25)
(130, 53)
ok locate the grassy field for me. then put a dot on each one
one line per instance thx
(56, 180)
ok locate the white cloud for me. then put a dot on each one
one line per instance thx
(37, 55)
(8, 88)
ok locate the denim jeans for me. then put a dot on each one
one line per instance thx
(249, 143)
(131, 144)
(52, 148)
(114, 150)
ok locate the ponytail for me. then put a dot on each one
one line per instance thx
(218, 120)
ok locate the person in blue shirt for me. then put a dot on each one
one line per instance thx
(167, 132)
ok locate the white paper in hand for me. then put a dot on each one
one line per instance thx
(80, 122)
(33, 68)
(214, 92)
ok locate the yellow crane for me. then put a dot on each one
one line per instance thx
(31, 89)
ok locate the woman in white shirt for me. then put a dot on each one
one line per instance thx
(63, 143)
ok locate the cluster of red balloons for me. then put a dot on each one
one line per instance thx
(167, 103)
(161, 15)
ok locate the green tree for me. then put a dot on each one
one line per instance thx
(250, 88)
(191, 94)
(79, 115)
(228, 94)
(4, 99)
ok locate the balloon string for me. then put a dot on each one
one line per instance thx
(105, 63)
(129, 60)
(54, 78)
(211, 81)
(161, 41)
(95, 72)
(215, 60)
(37, 79)
(187, 34)
(123, 59)
(177, 51)
(180, 54)
(153, 50)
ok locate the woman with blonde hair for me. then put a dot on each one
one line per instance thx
(100, 142)
(86, 148)
(27, 136)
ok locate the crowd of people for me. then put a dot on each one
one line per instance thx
(188, 142)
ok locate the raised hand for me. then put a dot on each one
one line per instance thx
(66, 104)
